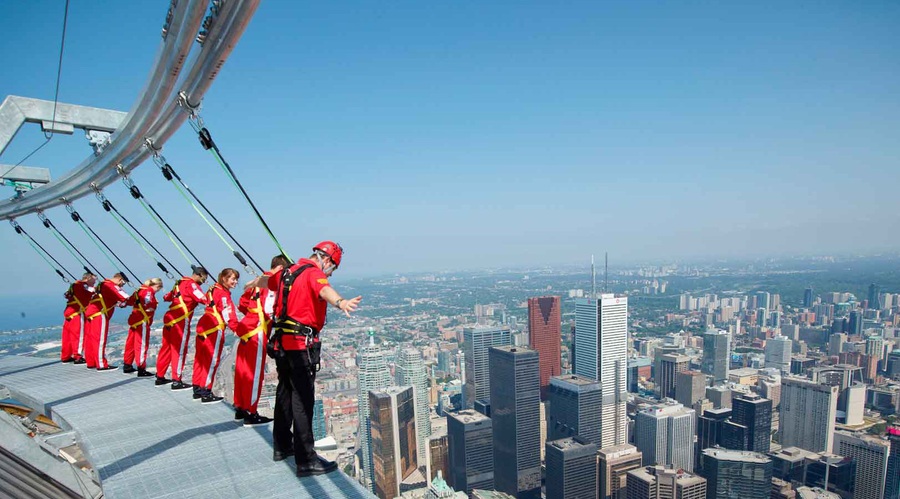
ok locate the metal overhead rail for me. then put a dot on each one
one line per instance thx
(159, 111)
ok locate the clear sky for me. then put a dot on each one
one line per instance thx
(446, 135)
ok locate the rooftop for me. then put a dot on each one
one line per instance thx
(737, 455)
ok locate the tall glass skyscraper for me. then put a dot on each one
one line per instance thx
(392, 413)
(716, 352)
(664, 434)
(571, 468)
(471, 451)
(410, 371)
(373, 375)
(807, 414)
(544, 336)
(755, 414)
(601, 353)
(732, 474)
(892, 484)
(476, 343)
(574, 408)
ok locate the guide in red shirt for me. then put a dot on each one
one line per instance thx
(250, 359)
(185, 297)
(220, 312)
(98, 313)
(302, 295)
(78, 296)
(144, 302)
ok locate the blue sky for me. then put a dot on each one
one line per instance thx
(446, 135)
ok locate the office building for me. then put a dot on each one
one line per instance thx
(410, 371)
(319, 429)
(571, 469)
(601, 347)
(716, 353)
(755, 414)
(393, 428)
(664, 434)
(871, 455)
(836, 343)
(544, 336)
(778, 353)
(808, 411)
(670, 366)
(613, 465)
(828, 472)
(690, 387)
(763, 300)
(873, 301)
(855, 323)
(470, 440)
(373, 374)
(709, 431)
(720, 396)
(733, 474)
(892, 482)
(476, 343)
(574, 408)
(515, 411)
(438, 456)
(659, 482)
(807, 298)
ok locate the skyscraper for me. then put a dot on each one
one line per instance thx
(778, 353)
(716, 351)
(754, 413)
(476, 343)
(319, 430)
(690, 387)
(515, 411)
(657, 482)
(574, 408)
(732, 474)
(410, 371)
(664, 434)
(892, 483)
(471, 451)
(873, 301)
(763, 300)
(807, 298)
(373, 375)
(571, 469)
(614, 463)
(438, 458)
(855, 324)
(544, 336)
(601, 341)
(670, 366)
(871, 455)
(807, 417)
(709, 431)
(393, 426)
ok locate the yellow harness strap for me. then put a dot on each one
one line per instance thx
(139, 305)
(103, 308)
(177, 303)
(263, 324)
(220, 326)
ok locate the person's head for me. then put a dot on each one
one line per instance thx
(280, 260)
(328, 255)
(200, 274)
(89, 278)
(228, 278)
(155, 283)
(119, 278)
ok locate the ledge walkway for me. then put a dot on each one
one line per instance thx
(145, 441)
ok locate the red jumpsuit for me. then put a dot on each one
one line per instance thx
(211, 337)
(98, 313)
(144, 302)
(250, 360)
(185, 297)
(79, 295)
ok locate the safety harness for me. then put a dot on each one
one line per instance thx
(98, 298)
(285, 324)
(263, 324)
(73, 302)
(212, 310)
(177, 303)
(139, 306)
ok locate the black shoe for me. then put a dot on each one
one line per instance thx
(281, 456)
(70, 359)
(108, 368)
(128, 369)
(178, 385)
(256, 420)
(317, 467)
(80, 361)
(240, 414)
(143, 373)
(162, 381)
(197, 396)
(210, 399)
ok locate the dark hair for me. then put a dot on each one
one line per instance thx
(226, 273)
(120, 276)
(88, 275)
(280, 260)
(198, 270)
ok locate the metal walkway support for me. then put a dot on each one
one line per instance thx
(144, 441)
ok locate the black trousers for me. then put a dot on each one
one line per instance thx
(294, 402)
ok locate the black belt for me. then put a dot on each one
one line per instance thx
(295, 328)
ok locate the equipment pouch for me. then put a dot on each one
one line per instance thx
(314, 351)
(275, 341)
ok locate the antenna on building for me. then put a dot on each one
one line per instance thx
(606, 271)
(593, 279)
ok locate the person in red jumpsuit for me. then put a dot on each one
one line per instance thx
(144, 302)
(98, 313)
(250, 358)
(185, 297)
(295, 330)
(78, 295)
(220, 312)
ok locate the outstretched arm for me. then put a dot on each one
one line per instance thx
(333, 298)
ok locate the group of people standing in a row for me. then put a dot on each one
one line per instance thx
(90, 308)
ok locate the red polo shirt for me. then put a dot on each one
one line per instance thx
(303, 304)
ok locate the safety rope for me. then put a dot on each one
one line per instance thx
(71, 248)
(134, 233)
(170, 174)
(209, 144)
(160, 221)
(35, 245)
(89, 231)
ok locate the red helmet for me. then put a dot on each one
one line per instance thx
(332, 249)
